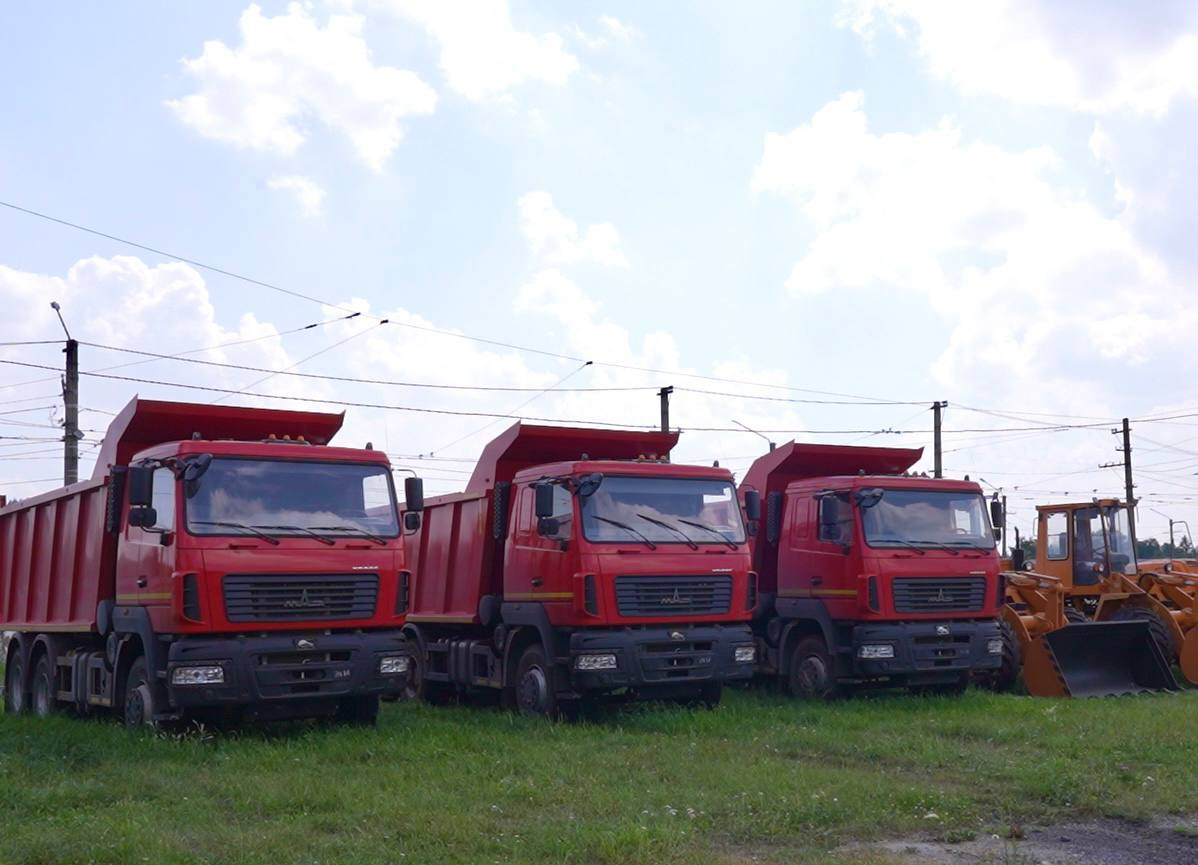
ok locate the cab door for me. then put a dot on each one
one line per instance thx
(537, 565)
(824, 562)
(147, 560)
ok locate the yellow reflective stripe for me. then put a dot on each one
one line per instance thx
(828, 593)
(143, 596)
(538, 596)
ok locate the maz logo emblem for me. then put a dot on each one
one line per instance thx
(674, 600)
(304, 644)
(942, 630)
(303, 602)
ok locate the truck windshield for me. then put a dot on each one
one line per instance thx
(663, 510)
(935, 518)
(282, 497)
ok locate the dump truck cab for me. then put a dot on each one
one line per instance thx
(234, 563)
(871, 575)
(581, 562)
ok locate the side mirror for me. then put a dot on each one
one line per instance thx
(413, 494)
(544, 500)
(997, 517)
(997, 534)
(411, 521)
(753, 505)
(547, 527)
(143, 516)
(140, 480)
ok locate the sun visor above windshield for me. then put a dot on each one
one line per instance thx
(144, 423)
(523, 445)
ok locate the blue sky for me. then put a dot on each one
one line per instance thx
(890, 198)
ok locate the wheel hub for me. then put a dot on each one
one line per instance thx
(813, 675)
(533, 692)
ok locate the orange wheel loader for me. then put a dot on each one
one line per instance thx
(1175, 585)
(1079, 624)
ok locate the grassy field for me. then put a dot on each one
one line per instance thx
(761, 779)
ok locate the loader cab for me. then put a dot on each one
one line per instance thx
(1085, 545)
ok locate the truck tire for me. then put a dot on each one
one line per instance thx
(1162, 635)
(42, 699)
(536, 696)
(15, 702)
(812, 674)
(138, 707)
(362, 711)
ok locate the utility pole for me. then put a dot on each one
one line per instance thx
(1005, 520)
(1131, 497)
(664, 393)
(938, 463)
(70, 399)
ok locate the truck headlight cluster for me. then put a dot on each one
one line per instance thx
(198, 676)
(589, 663)
(744, 654)
(875, 651)
(994, 647)
(394, 665)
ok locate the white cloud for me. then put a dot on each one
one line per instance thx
(1035, 283)
(483, 55)
(1085, 56)
(309, 195)
(556, 239)
(288, 71)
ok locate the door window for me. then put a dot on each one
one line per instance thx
(1057, 529)
(164, 499)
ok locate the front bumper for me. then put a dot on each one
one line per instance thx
(926, 651)
(293, 667)
(664, 657)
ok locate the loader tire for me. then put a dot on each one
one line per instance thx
(1161, 633)
(1007, 674)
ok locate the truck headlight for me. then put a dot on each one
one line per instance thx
(595, 662)
(394, 665)
(744, 654)
(994, 647)
(198, 676)
(875, 651)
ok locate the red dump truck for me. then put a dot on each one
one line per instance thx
(870, 575)
(220, 561)
(580, 562)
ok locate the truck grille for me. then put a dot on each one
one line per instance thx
(956, 595)
(673, 596)
(299, 597)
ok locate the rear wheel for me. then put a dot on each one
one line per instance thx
(42, 693)
(139, 708)
(1162, 634)
(812, 673)
(535, 695)
(15, 702)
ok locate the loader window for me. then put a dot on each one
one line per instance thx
(1056, 529)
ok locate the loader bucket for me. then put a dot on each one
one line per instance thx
(1096, 659)
(1189, 656)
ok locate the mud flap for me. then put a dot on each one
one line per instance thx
(1096, 659)
(1189, 656)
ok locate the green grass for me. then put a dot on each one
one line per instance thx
(763, 778)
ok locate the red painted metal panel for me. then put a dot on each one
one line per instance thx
(452, 558)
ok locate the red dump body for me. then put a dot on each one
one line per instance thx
(460, 554)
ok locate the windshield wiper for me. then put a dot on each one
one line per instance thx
(329, 541)
(940, 546)
(673, 529)
(723, 537)
(381, 541)
(967, 545)
(627, 528)
(898, 541)
(253, 531)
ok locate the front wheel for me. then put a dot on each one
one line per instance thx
(139, 705)
(536, 696)
(812, 670)
(14, 686)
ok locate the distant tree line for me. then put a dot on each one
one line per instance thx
(1146, 548)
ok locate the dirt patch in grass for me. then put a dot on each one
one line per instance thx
(1162, 841)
